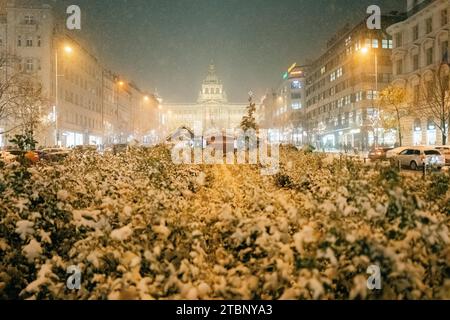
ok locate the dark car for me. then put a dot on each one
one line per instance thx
(379, 154)
(119, 148)
(86, 148)
(54, 154)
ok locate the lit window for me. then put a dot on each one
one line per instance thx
(296, 84)
(333, 76)
(347, 100)
(372, 95)
(368, 43)
(348, 41)
(296, 105)
(322, 70)
(358, 96)
(375, 43)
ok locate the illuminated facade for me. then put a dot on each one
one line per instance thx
(283, 108)
(212, 109)
(342, 89)
(420, 48)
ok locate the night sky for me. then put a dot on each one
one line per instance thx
(168, 44)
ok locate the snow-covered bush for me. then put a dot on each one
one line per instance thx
(140, 227)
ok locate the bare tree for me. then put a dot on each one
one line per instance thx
(21, 98)
(393, 106)
(436, 100)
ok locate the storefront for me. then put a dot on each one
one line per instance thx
(431, 133)
(95, 140)
(417, 132)
(72, 139)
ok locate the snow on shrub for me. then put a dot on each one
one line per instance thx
(140, 227)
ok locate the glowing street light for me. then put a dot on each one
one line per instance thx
(68, 49)
(364, 50)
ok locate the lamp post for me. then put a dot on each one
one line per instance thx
(67, 50)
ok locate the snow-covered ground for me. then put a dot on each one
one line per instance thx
(140, 227)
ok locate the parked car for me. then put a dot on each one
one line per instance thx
(119, 148)
(32, 156)
(394, 152)
(445, 151)
(379, 153)
(86, 148)
(417, 157)
(54, 154)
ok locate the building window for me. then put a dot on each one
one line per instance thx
(39, 41)
(339, 73)
(429, 56)
(29, 42)
(358, 96)
(1, 42)
(444, 17)
(19, 41)
(347, 100)
(296, 105)
(323, 70)
(415, 62)
(333, 76)
(444, 51)
(29, 20)
(29, 65)
(296, 84)
(399, 67)
(398, 40)
(375, 43)
(372, 95)
(429, 25)
(368, 43)
(387, 44)
(416, 32)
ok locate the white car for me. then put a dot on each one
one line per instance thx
(417, 157)
(394, 152)
(445, 151)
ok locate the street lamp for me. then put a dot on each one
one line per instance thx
(68, 50)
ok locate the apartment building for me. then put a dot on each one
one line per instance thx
(87, 103)
(420, 50)
(342, 87)
(283, 107)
